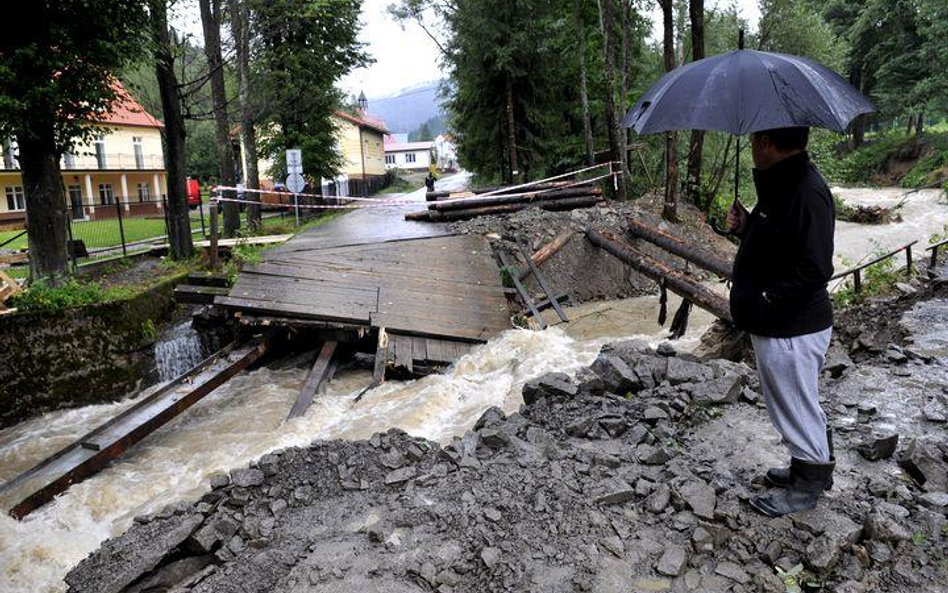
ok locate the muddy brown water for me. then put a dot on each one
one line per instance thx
(244, 419)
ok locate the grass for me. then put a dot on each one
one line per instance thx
(99, 234)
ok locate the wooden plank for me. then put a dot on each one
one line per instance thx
(290, 310)
(381, 357)
(435, 328)
(403, 352)
(93, 451)
(514, 275)
(208, 279)
(433, 350)
(546, 289)
(319, 374)
(198, 295)
(419, 349)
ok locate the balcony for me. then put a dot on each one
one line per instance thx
(112, 161)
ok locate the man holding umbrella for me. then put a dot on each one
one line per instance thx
(779, 297)
(780, 273)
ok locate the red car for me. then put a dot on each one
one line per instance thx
(194, 193)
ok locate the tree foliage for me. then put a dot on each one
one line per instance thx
(301, 48)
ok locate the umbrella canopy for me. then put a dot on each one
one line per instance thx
(746, 91)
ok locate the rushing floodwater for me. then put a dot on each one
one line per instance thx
(244, 419)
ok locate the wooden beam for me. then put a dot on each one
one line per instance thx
(515, 276)
(552, 205)
(677, 282)
(547, 251)
(683, 249)
(94, 450)
(318, 375)
(546, 289)
(198, 295)
(528, 197)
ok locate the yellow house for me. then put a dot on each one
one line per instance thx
(122, 167)
(362, 143)
(360, 139)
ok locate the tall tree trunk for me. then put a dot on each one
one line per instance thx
(515, 173)
(45, 204)
(210, 19)
(670, 209)
(919, 126)
(606, 21)
(623, 5)
(583, 90)
(858, 131)
(178, 216)
(696, 145)
(240, 27)
(911, 122)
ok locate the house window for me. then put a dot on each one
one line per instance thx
(106, 195)
(139, 155)
(409, 157)
(390, 159)
(15, 198)
(75, 201)
(143, 192)
(100, 151)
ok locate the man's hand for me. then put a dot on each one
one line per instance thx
(736, 218)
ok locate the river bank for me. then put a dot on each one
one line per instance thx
(629, 475)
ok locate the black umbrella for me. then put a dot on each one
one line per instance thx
(746, 91)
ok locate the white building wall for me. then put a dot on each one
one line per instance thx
(422, 159)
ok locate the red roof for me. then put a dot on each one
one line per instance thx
(126, 111)
(365, 121)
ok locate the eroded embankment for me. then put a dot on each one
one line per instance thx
(632, 476)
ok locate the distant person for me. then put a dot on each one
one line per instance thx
(779, 297)
(430, 181)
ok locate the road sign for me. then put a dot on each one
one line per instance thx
(294, 160)
(295, 182)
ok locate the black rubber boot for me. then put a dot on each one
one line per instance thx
(807, 484)
(779, 477)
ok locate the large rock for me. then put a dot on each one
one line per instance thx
(922, 461)
(834, 532)
(722, 390)
(681, 371)
(122, 561)
(549, 385)
(699, 497)
(616, 375)
(247, 477)
(881, 527)
(879, 447)
(673, 561)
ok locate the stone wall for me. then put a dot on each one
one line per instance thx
(78, 356)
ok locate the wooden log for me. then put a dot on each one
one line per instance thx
(546, 252)
(683, 249)
(677, 282)
(552, 205)
(436, 195)
(318, 375)
(532, 196)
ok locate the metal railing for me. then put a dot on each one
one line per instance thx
(110, 161)
(857, 271)
(934, 249)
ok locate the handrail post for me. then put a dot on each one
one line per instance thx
(908, 260)
(857, 281)
(213, 255)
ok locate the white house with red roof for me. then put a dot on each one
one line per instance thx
(122, 167)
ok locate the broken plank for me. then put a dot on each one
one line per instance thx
(546, 289)
(93, 451)
(419, 349)
(434, 349)
(436, 328)
(314, 380)
(403, 352)
(514, 276)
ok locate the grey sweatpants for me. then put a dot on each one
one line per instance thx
(789, 371)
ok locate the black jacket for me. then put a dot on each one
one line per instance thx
(786, 255)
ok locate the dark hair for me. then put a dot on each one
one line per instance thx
(788, 138)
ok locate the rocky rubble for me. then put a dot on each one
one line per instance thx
(630, 476)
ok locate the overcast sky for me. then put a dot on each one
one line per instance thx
(404, 55)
